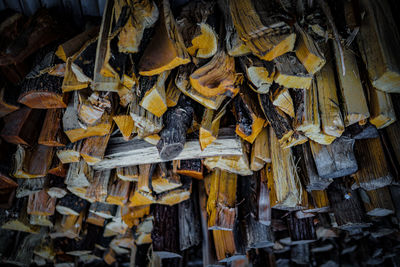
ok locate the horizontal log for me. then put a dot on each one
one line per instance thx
(120, 153)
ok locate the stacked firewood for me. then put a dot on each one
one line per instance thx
(229, 132)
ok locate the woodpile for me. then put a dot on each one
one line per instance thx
(202, 133)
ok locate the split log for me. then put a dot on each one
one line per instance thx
(92, 105)
(143, 231)
(209, 128)
(146, 123)
(165, 234)
(260, 151)
(331, 117)
(70, 204)
(70, 81)
(172, 94)
(73, 128)
(290, 73)
(163, 180)
(55, 186)
(118, 191)
(132, 215)
(27, 187)
(93, 148)
(282, 99)
(79, 174)
(308, 52)
(354, 104)
(196, 22)
(8, 99)
(319, 201)
(23, 253)
(182, 81)
(189, 224)
(32, 162)
(95, 219)
(129, 173)
(104, 210)
(377, 50)
(312, 180)
(301, 230)
(264, 211)
(22, 126)
(143, 16)
(43, 92)
(373, 171)
(346, 206)
(173, 136)
(70, 47)
(46, 221)
(260, 73)
(234, 45)
(250, 119)
(16, 218)
(254, 233)
(286, 191)
(51, 133)
(217, 77)
(82, 66)
(41, 204)
(125, 125)
(262, 29)
(192, 168)
(97, 190)
(392, 133)
(68, 226)
(166, 50)
(335, 160)
(70, 153)
(377, 202)
(221, 200)
(233, 164)
(381, 108)
(227, 248)
(300, 254)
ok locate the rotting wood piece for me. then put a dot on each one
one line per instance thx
(290, 73)
(165, 234)
(260, 73)
(166, 50)
(263, 28)
(286, 191)
(22, 126)
(196, 22)
(217, 77)
(51, 133)
(221, 200)
(373, 171)
(335, 160)
(353, 102)
(173, 136)
(250, 119)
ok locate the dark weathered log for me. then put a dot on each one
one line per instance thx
(27, 187)
(165, 234)
(107, 211)
(40, 203)
(192, 168)
(70, 204)
(301, 230)
(129, 173)
(335, 160)
(22, 126)
(377, 202)
(8, 99)
(346, 206)
(166, 49)
(254, 233)
(373, 171)
(22, 255)
(173, 136)
(52, 134)
(189, 223)
(55, 186)
(40, 30)
(16, 218)
(357, 131)
(300, 254)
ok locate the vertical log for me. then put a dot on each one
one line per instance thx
(189, 223)
(301, 230)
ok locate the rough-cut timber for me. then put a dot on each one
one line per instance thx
(166, 49)
(165, 234)
(41, 204)
(93, 148)
(250, 119)
(378, 41)
(22, 126)
(301, 230)
(335, 160)
(282, 99)
(189, 223)
(373, 170)
(52, 134)
(353, 102)
(222, 200)
(217, 77)
(234, 164)
(262, 27)
(260, 73)
(173, 137)
(128, 173)
(32, 162)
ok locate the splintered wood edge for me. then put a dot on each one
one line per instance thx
(143, 153)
